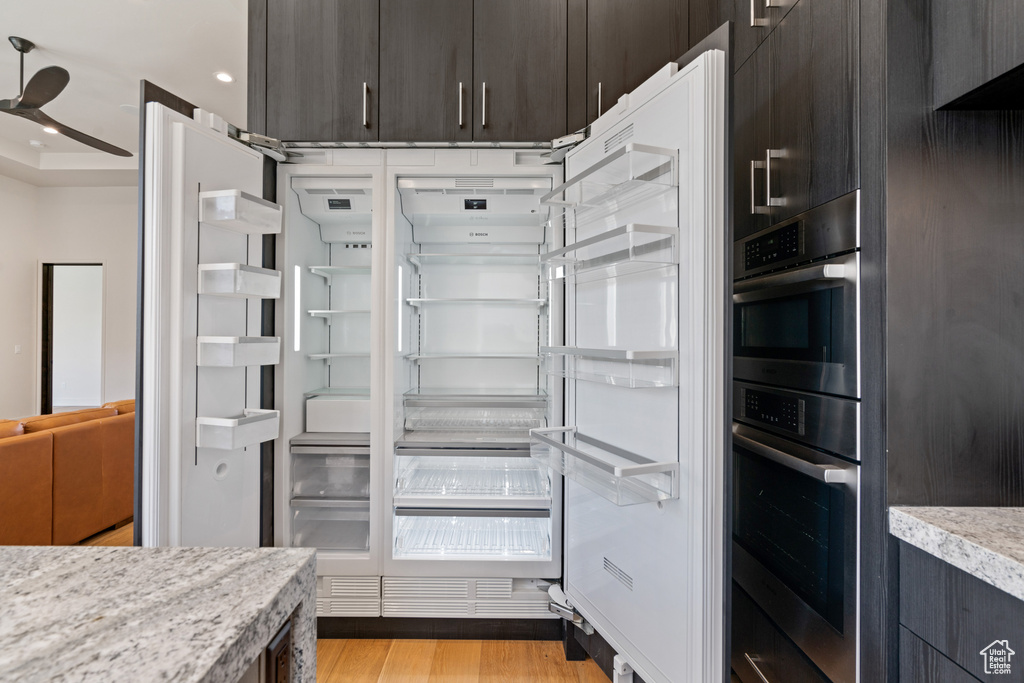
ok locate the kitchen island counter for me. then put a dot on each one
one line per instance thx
(152, 614)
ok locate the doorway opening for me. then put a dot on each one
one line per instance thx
(72, 337)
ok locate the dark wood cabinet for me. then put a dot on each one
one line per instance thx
(426, 70)
(321, 69)
(627, 42)
(750, 141)
(753, 21)
(519, 70)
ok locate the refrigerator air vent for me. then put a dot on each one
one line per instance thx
(494, 588)
(316, 191)
(429, 191)
(520, 192)
(474, 182)
(350, 192)
(622, 576)
(619, 139)
(367, 587)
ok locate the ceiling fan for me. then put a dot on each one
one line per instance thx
(41, 88)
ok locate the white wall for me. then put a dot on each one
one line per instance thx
(64, 225)
(77, 335)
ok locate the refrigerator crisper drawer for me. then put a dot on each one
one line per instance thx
(331, 525)
(523, 535)
(338, 413)
(442, 480)
(330, 472)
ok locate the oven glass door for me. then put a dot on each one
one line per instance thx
(794, 526)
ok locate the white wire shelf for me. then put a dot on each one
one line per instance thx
(626, 249)
(615, 474)
(620, 367)
(239, 211)
(458, 537)
(490, 482)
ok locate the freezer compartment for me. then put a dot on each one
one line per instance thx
(239, 280)
(614, 473)
(623, 250)
(620, 367)
(503, 535)
(239, 211)
(232, 352)
(330, 472)
(470, 478)
(331, 524)
(338, 412)
(631, 175)
(230, 433)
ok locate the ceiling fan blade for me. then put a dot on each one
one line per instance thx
(41, 118)
(44, 86)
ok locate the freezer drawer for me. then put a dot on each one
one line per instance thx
(330, 525)
(444, 480)
(520, 535)
(330, 472)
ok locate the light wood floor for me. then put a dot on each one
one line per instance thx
(450, 661)
(122, 536)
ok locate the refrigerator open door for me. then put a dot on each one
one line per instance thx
(643, 450)
(203, 285)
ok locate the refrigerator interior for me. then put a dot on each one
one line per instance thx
(470, 313)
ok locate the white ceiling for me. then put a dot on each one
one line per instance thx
(109, 46)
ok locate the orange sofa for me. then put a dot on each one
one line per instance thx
(66, 476)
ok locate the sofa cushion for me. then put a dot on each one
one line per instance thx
(118, 468)
(26, 480)
(43, 422)
(10, 428)
(77, 481)
(122, 407)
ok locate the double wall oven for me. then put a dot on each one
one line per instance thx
(796, 439)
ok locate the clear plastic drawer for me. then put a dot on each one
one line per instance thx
(344, 473)
(330, 525)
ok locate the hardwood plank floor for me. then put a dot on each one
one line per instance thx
(450, 661)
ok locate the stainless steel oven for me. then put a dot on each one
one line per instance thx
(796, 302)
(796, 476)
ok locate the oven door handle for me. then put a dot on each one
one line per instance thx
(829, 474)
(827, 271)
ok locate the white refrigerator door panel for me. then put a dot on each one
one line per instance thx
(194, 496)
(649, 576)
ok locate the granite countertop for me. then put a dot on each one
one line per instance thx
(987, 543)
(151, 614)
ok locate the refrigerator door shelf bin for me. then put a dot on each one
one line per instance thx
(626, 249)
(239, 211)
(233, 352)
(449, 418)
(619, 367)
(507, 535)
(444, 480)
(458, 259)
(331, 525)
(330, 473)
(618, 475)
(539, 303)
(230, 433)
(239, 280)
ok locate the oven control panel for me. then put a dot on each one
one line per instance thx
(779, 245)
(773, 410)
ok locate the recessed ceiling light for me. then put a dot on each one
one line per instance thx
(224, 77)
(37, 143)
(50, 129)
(131, 109)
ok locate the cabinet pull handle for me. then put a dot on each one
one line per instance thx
(768, 156)
(366, 94)
(755, 208)
(750, 661)
(483, 112)
(460, 104)
(755, 20)
(599, 98)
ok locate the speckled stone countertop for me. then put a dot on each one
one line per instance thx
(985, 542)
(152, 614)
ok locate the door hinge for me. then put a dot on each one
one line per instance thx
(261, 143)
(570, 614)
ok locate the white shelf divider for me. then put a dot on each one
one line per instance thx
(239, 211)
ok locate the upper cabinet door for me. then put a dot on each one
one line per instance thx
(627, 42)
(754, 20)
(322, 69)
(426, 70)
(519, 74)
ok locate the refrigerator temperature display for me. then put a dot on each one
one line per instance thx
(476, 204)
(336, 204)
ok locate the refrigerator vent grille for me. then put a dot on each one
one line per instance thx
(424, 608)
(496, 588)
(513, 610)
(425, 588)
(622, 576)
(366, 587)
(350, 192)
(348, 608)
(519, 192)
(474, 182)
(315, 191)
(619, 139)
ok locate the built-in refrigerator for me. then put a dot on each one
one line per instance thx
(497, 373)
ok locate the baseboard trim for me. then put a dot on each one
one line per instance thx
(453, 629)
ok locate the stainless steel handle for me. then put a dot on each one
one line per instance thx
(599, 98)
(460, 104)
(768, 156)
(827, 271)
(829, 474)
(483, 114)
(750, 661)
(755, 20)
(756, 208)
(366, 94)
